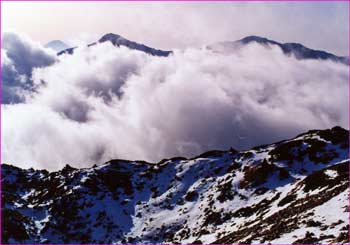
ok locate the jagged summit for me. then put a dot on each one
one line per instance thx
(257, 39)
(275, 193)
(296, 49)
(118, 40)
(110, 37)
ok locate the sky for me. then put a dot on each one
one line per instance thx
(319, 25)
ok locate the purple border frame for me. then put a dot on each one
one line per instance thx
(170, 1)
(329, 1)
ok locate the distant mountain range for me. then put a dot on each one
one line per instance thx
(118, 41)
(296, 49)
(293, 191)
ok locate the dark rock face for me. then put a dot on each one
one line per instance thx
(117, 40)
(289, 218)
(297, 49)
(275, 193)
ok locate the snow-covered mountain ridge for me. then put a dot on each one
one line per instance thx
(293, 191)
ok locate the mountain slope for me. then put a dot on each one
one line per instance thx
(118, 40)
(296, 49)
(278, 193)
(121, 41)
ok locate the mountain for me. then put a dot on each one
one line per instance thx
(293, 191)
(121, 41)
(57, 45)
(296, 49)
(118, 41)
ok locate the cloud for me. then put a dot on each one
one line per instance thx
(19, 56)
(105, 102)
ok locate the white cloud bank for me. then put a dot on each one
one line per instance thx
(19, 55)
(105, 102)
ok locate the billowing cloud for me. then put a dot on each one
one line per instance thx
(105, 102)
(19, 56)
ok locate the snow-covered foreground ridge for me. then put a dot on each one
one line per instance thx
(293, 191)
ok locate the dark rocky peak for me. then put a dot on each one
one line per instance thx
(67, 169)
(336, 135)
(118, 41)
(296, 49)
(110, 37)
(261, 40)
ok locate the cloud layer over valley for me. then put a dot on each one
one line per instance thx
(105, 102)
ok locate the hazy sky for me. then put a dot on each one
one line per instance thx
(178, 24)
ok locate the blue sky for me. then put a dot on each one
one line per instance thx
(320, 25)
